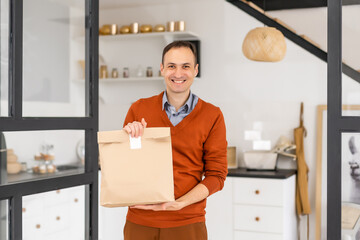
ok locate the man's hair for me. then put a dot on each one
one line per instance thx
(179, 44)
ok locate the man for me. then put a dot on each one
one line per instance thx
(199, 146)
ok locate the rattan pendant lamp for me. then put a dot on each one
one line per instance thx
(265, 44)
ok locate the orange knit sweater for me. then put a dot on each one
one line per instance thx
(198, 149)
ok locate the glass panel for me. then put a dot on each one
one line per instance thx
(4, 220)
(34, 155)
(53, 56)
(350, 185)
(4, 50)
(350, 56)
(55, 215)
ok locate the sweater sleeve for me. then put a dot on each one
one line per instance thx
(130, 116)
(215, 156)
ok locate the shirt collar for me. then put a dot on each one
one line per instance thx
(187, 103)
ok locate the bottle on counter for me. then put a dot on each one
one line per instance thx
(125, 72)
(149, 72)
(103, 71)
(139, 71)
(114, 73)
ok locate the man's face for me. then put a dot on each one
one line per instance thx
(179, 70)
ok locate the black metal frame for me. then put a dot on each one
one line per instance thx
(298, 40)
(16, 122)
(272, 5)
(337, 124)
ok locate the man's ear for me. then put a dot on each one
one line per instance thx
(162, 69)
(196, 69)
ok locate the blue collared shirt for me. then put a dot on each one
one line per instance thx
(176, 117)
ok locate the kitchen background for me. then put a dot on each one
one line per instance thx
(246, 91)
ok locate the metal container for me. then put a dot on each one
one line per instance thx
(145, 28)
(113, 29)
(180, 26)
(159, 28)
(124, 29)
(134, 27)
(170, 26)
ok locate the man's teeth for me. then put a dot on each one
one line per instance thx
(178, 81)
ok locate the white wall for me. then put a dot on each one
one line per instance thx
(246, 91)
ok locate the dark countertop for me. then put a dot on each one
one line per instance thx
(277, 174)
(29, 176)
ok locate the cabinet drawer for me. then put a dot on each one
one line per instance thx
(258, 218)
(258, 191)
(57, 218)
(33, 228)
(32, 207)
(240, 235)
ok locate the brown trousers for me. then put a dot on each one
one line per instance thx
(195, 231)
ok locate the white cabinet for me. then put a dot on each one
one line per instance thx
(55, 215)
(264, 208)
(111, 220)
(251, 208)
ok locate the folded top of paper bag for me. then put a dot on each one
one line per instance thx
(122, 135)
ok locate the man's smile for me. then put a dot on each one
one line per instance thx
(178, 81)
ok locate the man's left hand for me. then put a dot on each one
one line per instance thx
(198, 193)
(167, 206)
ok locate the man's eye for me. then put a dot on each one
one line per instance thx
(171, 66)
(186, 66)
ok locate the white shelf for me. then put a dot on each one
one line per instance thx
(130, 79)
(170, 35)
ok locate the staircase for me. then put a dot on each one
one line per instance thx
(301, 40)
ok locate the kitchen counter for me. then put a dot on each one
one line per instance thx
(277, 174)
(29, 176)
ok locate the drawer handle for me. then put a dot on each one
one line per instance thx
(57, 218)
(257, 192)
(76, 200)
(38, 226)
(257, 219)
(24, 210)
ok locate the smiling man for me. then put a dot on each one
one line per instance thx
(198, 137)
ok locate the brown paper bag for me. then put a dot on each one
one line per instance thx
(136, 176)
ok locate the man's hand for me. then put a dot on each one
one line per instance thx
(167, 206)
(136, 129)
(198, 193)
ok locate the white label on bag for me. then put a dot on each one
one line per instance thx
(135, 143)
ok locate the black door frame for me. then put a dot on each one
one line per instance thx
(16, 122)
(337, 124)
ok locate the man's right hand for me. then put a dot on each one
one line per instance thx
(136, 129)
